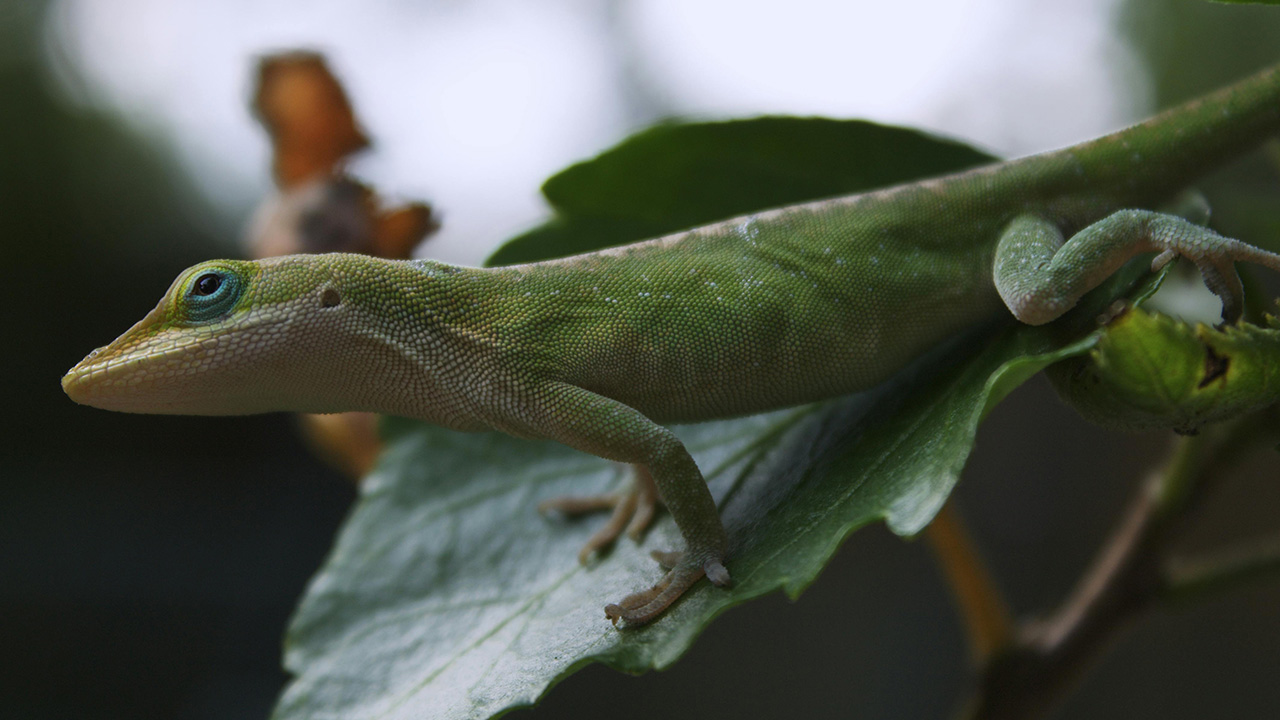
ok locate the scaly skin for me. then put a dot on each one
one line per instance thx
(773, 309)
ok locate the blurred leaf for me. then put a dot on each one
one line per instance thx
(672, 177)
(447, 596)
(1247, 2)
(1150, 371)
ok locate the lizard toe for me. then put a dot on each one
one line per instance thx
(631, 511)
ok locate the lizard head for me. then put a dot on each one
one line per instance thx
(229, 337)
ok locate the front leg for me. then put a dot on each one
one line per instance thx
(1040, 276)
(598, 425)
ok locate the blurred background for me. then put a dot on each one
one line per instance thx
(148, 564)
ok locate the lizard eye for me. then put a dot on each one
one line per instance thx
(212, 294)
(206, 284)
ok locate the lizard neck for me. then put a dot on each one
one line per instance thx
(407, 344)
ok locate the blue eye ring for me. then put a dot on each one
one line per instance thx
(212, 294)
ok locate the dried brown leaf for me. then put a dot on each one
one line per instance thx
(308, 116)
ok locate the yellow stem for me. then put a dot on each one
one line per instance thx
(982, 608)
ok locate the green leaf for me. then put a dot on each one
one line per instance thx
(671, 177)
(1247, 2)
(1151, 371)
(448, 596)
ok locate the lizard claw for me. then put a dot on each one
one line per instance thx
(716, 573)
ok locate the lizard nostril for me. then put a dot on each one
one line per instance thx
(330, 298)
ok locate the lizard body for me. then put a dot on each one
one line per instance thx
(767, 310)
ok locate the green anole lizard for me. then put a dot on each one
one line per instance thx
(777, 308)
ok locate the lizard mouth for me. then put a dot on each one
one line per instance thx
(78, 381)
(93, 379)
(151, 369)
(113, 380)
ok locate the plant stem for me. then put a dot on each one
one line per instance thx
(1127, 576)
(1192, 579)
(982, 608)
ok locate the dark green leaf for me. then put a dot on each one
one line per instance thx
(672, 177)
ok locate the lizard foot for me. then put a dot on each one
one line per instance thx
(642, 607)
(1215, 257)
(1040, 275)
(632, 511)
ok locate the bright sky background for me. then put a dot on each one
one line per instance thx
(472, 103)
